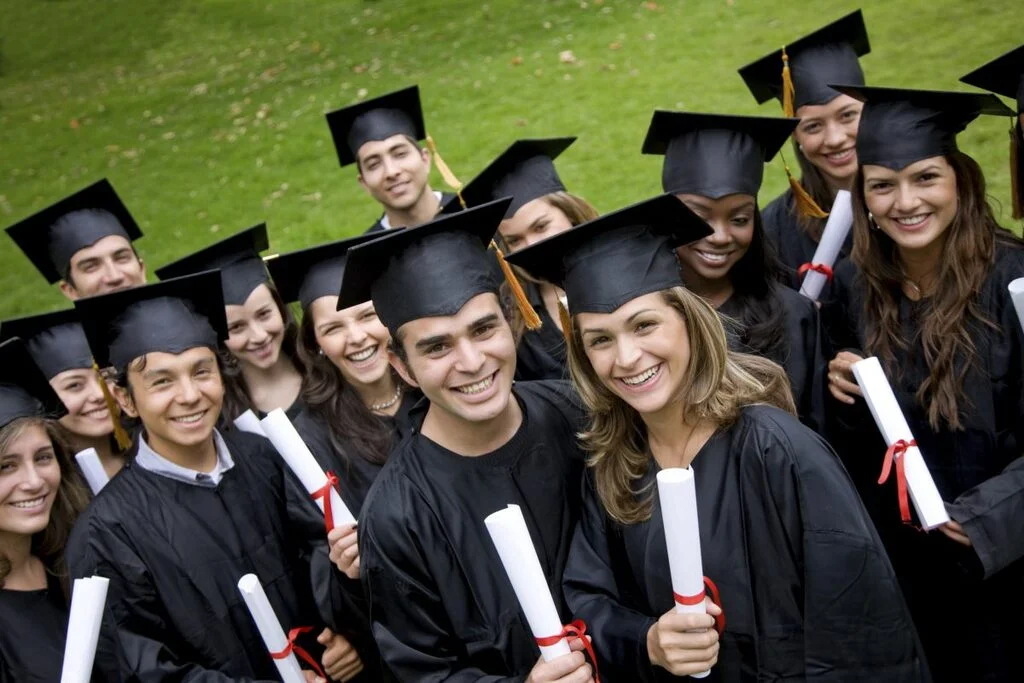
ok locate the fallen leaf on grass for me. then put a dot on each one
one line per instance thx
(517, 60)
(567, 57)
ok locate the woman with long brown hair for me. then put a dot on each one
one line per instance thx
(805, 586)
(926, 292)
(41, 496)
(824, 142)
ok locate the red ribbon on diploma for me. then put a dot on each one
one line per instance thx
(895, 452)
(325, 493)
(699, 598)
(576, 629)
(299, 651)
(817, 268)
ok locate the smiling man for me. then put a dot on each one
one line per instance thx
(381, 137)
(84, 242)
(441, 605)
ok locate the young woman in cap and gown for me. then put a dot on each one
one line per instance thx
(925, 292)
(40, 498)
(714, 163)
(787, 547)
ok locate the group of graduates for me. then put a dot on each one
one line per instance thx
(505, 344)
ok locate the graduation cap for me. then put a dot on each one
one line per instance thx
(899, 127)
(397, 113)
(1003, 75)
(800, 72)
(52, 236)
(432, 270)
(24, 390)
(714, 155)
(308, 274)
(237, 257)
(172, 316)
(56, 341)
(613, 259)
(524, 171)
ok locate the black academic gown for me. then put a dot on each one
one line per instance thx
(968, 603)
(174, 553)
(793, 245)
(379, 227)
(807, 590)
(541, 352)
(441, 604)
(803, 359)
(32, 629)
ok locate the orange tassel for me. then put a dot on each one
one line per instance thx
(805, 203)
(120, 435)
(530, 317)
(1015, 172)
(566, 320)
(788, 91)
(446, 173)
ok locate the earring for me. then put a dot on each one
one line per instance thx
(320, 352)
(871, 220)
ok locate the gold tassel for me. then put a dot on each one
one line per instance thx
(446, 173)
(530, 317)
(566, 320)
(805, 203)
(788, 91)
(1015, 179)
(120, 435)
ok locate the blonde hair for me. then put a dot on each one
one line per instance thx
(717, 385)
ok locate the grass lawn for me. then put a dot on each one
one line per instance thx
(208, 115)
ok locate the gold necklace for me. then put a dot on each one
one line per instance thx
(384, 405)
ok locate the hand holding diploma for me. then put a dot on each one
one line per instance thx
(92, 469)
(280, 646)
(819, 270)
(88, 598)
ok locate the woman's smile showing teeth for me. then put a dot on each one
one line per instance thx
(713, 258)
(912, 221)
(839, 158)
(34, 504)
(643, 379)
(363, 355)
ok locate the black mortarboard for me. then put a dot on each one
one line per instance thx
(52, 236)
(714, 155)
(524, 171)
(432, 270)
(55, 340)
(172, 316)
(605, 262)
(308, 274)
(397, 113)
(829, 55)
(237, 257)
(1003, 75)
(24, 390)
(899, 127)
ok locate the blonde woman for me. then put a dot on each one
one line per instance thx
(804, 582)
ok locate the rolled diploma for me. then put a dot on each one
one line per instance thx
(248, 422)
(87, 600)
(293, 449)
(840, 220)
(893, 426)
(89, 461)
(269, 627)
(678, 497)
(517, 552)
(1017, 294)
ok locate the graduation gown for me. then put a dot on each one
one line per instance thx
(979, 473)
(379, 227)
(807, 590)
(793, 245)
(32, 629)
(804, 360)
(174, 553)
(441, 604)
(541, 353)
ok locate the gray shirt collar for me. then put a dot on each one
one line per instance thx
(150, 460)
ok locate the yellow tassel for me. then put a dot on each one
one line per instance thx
(788, 91)
(566, 320)
(530, 317)
(805, 203)
(120, 435)
(1015, 172)
(446, 173)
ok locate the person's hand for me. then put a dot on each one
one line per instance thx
(684, 644)
(344, 550)
(311, 677)
(570, 668)
(840, 377)
(340, 661)
(956, 532)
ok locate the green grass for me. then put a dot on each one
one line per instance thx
(207, 115)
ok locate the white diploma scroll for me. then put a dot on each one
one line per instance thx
(88, 597)
(1017, 294)
(92, 469)
(289, 444)
(893, 425)
(248, 422)
(270, 628)
(515, 548)
(840, 220)
(678, 497)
